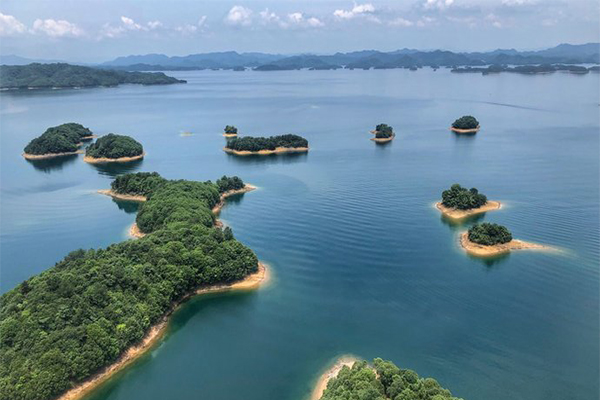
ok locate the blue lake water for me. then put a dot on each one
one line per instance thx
(362, 263)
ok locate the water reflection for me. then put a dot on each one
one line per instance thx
(130, 207)
(491, 262)
(48, 165)
(282, 158)
(113, 169)
(464, 137)
(455, 225)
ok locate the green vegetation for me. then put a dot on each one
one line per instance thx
(489, 234)
(67, 76)
(63, 325)
(114, 146)
(383, 131)
(64, 138)
(462, 198)
(466, 122)
(385, 381)
(231, 130)
(249, 143)
(139, 184)
(226, 184)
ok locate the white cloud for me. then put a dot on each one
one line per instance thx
(131, 25)
(357, 10)
(189, 29)
(401, 22)
(9, 25)
(154, 25)
(425, 21)
(437, 4)
(494, 20)
(298, 19)
(239, 16)
(54, 28)
(518, 2)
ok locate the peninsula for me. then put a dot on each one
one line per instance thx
(459, 203)
(68, 329)
(230, 131)
(56, 141)
(114, 148)
(249, 145)
(487, 240)
(382, 380)
(383, 133)
(465, 124)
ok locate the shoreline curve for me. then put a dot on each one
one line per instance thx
(119, 196)
(472, 130)
(28, 156)
(456, 214)
(479, 250)
(330, 373)
(103, 160)
(277, 150)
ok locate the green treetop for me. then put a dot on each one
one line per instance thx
(462, 198)
(489, 234)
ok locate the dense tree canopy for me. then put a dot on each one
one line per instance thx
(226, 183)
(138, 184)
(230, 129)
(249, 143)
(465, 122)
(114, 146)
(63, 138)
(383, 131)
(66, 75)
(462, 198)
(383, 381)
(63, 325)
(489, 234)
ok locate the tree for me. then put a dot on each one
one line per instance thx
(462, 198)
(466, 122)
(114, 146)
(489, 234)
(230, 129)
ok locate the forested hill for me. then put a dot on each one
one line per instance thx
(63, 75)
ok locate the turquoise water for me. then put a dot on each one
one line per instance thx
(362, 263)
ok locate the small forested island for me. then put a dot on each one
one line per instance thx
(230, 131)
(488, 239)
(525, 69)
(459, 202)
(465, 124)
(249, 145)
(61, 75)
(383, 133)
(382, 380)
(114, 148)
(61, 140)
(68, 329)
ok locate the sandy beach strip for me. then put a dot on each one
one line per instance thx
(120, 196)
(277, 150)
(49, 155)
(217, 208)
(457, 214)
(497, 249)
(103, 160)
(230, 134)
(331, 373)
(384, 140)
(472, 130)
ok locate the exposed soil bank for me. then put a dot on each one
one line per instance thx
(331, 373)
(120, 196)
(497, 249)
(49, 155)
(456, 214)
(102, 160)
(384, 140)
(217, 208)
(266, 152)
(230, 134)
(472, 130)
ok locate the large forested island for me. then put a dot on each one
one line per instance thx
(249, 145)
(61, 140)
(488, 239)
(59, 328)
(465, 124)
(60, 75)
(357, 380)
(114, 148)
(383, 133)
(459, 202)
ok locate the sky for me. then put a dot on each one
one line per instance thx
(101, 30)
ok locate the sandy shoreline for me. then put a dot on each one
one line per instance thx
(331, 373)
(135, 232)
(89, 137)
(490, 251)
(472, 130)
(460, 214)
(278, 150)
(102, 160)
(156, 332)
(384, 140)
(230, 134)
(217, 208)
(119, 196)
(49, 155)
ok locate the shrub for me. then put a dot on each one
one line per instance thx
(465, 122)
(462, 198)
(489, 234)
(383, 131)
(230, 129)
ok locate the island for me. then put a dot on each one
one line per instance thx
(114, 148)
(459, 203)
(56, 141)
(249, 145)
(69, 328)
(381, 380)
(230, 131)
(465, 124)
(526, 69)
(61, 75)
(383, 133)
(488, 239)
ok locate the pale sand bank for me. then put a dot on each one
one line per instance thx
(278, 150)
(120, 196)
(102, 160)
(384, 140)
(490, 251)
(49, 155)
(135, 232)
(230, 134)
(331, 373)
(217, 208)
(456, 214)
(251, 282)
(89, 137)
(472, 130)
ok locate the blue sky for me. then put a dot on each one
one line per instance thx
(96, 30)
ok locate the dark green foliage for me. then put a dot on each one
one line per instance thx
(383, 131)
(66, 75)
(58, 139)
(462, 198)
(465, 122)
(63, 325)
(114, 146)
(383, 381)
(137, 184)
(227, 183)
(249, 143)
(489, 234)
(230, 129)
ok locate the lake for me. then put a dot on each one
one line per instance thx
(362, 262)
